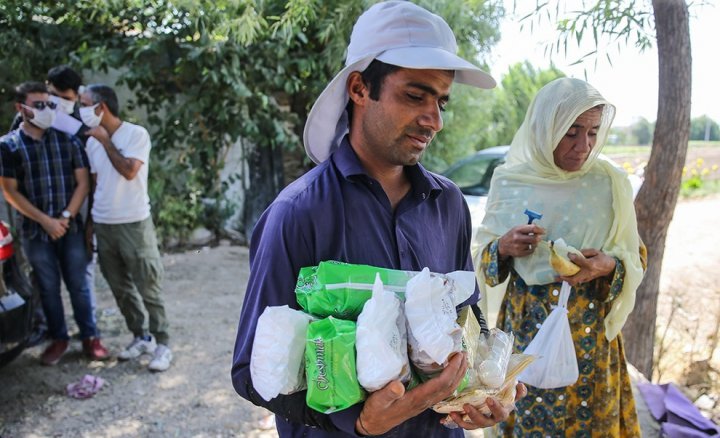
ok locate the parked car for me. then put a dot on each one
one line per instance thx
(20, 323)
(474, 173)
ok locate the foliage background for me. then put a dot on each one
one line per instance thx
(209, 73)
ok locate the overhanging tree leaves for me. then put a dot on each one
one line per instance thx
(631, 20)
(212, 73)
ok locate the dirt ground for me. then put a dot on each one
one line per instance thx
(204, 290)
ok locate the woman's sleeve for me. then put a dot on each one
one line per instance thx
(610, 289)
(494, 269)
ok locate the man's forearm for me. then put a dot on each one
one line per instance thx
(78, 196)
(123, 165)
(23, 205)
(292, 408)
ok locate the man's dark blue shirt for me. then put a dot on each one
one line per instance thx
(45, 172)
(337, 212)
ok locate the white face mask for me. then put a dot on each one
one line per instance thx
(88, 116)
(64, 105)
(43, 118)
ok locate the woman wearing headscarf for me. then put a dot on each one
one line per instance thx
(554, 167)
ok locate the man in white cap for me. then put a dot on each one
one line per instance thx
(369, 202)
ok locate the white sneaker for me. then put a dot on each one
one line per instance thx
(162, 358)
(138, 347)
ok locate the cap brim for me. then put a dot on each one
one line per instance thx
(325, 126)
(434, 58)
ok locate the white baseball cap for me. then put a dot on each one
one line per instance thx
(395, 32)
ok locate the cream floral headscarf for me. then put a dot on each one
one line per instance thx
(588, 208)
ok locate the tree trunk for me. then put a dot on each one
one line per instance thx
(656, 201)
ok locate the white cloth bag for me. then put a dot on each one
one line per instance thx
(556, 365)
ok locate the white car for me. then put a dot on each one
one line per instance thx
(474, 173)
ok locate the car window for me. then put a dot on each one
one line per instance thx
(473, 177)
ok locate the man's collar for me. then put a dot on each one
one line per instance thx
(348, 163)
(28, 130)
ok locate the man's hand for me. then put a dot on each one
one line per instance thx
(596, 264)
(498, 413)
(392, 405)
(56, 228)
(520, 241)
(100, 134)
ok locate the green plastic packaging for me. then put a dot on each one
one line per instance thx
(330, 366)
(341, 289)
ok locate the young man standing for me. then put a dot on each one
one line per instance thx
(369, 201)
(44, 175)
(119, 154)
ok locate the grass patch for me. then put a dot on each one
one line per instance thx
(705, 188)
(637, 149)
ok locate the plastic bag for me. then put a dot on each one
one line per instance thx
(433, 333)
(277, 364)
(330, 366)
(494, 350)
(341, 289)
(381, 340)
(556, 365)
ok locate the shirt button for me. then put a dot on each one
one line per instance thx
(423, 195)
(587, 329)
(591, 305)
(555, 292)
(561, 397)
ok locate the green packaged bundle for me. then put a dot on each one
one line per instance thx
(341, 289)
(330, 366)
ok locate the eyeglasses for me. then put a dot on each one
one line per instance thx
(40, 105)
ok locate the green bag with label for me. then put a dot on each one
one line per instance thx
(341, 289)
(330, 366)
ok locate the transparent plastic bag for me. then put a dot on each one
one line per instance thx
(494, 349)
(556, 365)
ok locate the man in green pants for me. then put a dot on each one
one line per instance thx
(118, 152)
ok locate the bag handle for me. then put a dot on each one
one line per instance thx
(565, 290)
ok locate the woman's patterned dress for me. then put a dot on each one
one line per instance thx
(600, 403)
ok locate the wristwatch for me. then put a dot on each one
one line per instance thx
(66, 214)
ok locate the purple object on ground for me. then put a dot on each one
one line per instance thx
(85, 388)
(677, 414)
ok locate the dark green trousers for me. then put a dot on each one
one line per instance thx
(130, 262)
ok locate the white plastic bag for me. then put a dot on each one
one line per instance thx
(430, 301)
(556, 365)
(381, 342)
(277, 362)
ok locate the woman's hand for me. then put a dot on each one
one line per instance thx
(596, 264)
(520, 241)
(498, 412)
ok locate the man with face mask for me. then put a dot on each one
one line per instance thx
(44, 175)
(119, 154)
(64, 86)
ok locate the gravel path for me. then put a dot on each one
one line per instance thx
(204, 291)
